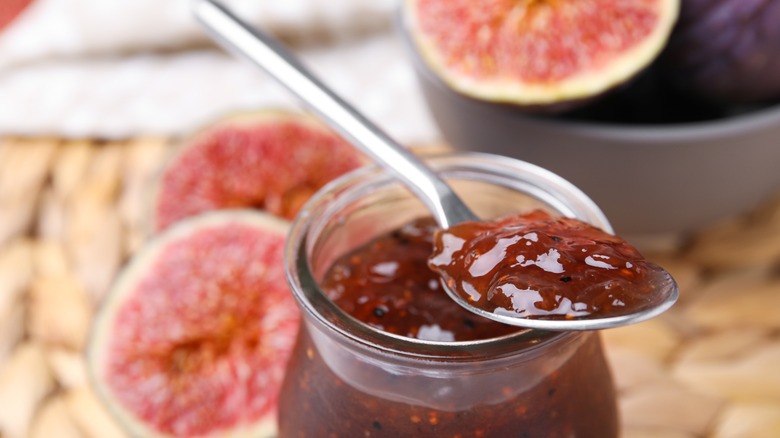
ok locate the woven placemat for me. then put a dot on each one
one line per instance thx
(72, 211)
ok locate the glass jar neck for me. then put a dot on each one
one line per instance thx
(354, 209)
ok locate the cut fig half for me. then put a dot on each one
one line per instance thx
(536, 53)
(194, 337)
(272, 160)
(10, 10)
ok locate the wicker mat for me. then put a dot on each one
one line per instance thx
(72, 211)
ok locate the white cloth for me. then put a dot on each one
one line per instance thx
(58, 28)
(117, 68)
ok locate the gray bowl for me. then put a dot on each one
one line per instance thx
(650, 180)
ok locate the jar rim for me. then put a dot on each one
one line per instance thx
(536, 182)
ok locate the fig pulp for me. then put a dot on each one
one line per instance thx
(271, 160)
(727, 50)
(194, 336)
(538, 53)
(10, 10)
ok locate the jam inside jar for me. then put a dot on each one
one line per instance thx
(348, 377)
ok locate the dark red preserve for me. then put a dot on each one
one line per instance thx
(532, 384)
(387, 284)
(536, 265)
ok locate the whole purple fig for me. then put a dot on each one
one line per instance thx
(727, 50)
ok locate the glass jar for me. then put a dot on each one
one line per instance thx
(348, 379)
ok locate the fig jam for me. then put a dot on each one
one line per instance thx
(535, 265)
(518, 383)
(387, 285)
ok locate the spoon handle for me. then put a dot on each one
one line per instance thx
(238, 37)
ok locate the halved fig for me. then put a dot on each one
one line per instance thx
(194, 336)
(538, 53)
(10, 10)
(272, 160)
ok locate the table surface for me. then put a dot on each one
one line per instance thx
(71, 211)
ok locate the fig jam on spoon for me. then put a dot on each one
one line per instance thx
(553, 270)
(658, 291)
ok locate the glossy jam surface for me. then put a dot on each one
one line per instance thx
(387, 284)
(538, 266)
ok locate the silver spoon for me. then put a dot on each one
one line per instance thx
(447, 208)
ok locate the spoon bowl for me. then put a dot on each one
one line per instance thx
(667, 294)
